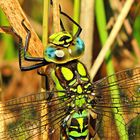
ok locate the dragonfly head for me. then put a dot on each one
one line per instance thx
(63, 48)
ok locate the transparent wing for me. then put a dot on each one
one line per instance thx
(117, 101)
(27, 117)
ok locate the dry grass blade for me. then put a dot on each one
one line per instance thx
(56, 25)
(87, 14)
(56, 17)
(111, 37)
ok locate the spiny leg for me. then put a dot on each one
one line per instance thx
(10, 30)
(79, 27)
(62, 26)
(24, 50)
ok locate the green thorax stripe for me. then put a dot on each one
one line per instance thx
(57, 84)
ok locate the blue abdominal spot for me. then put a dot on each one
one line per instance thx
(50, 52)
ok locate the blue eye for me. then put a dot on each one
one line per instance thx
(80, 43)
(50, 52)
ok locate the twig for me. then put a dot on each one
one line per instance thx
(15, 15)
(76, 14)
(45, 22)
(44, 111)
(56, 16)
(128, 28)
(87, 17)
(56, 23)
(111, 37)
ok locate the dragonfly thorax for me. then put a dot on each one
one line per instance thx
(71, 76)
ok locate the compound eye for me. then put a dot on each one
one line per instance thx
(50, 52)
(77, 48)
(53, 54)
(80, 43)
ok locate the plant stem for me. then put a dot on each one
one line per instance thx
(10, 51)
(76, 13)
(101, 25)
(87, 24)
(45, 22)
(56, 16)
(111, 37)
(44, 111)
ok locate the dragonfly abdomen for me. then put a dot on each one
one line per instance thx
(73, 77)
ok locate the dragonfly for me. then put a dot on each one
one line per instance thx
(76, 109)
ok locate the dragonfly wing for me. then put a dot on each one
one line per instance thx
(117, 101)
(32, 115)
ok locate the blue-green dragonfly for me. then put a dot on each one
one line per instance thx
(77, 109)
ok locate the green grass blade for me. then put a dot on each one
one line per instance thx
(76, 14)
(10, 51)
(101, 25)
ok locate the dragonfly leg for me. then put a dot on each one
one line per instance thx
(79, 27)
(23, 53)
(41, 72)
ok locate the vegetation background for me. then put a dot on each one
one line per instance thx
(97, 18)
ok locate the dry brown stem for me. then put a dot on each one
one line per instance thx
(87, 14)
(111, 37)
(15, 15)
(56, 16)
